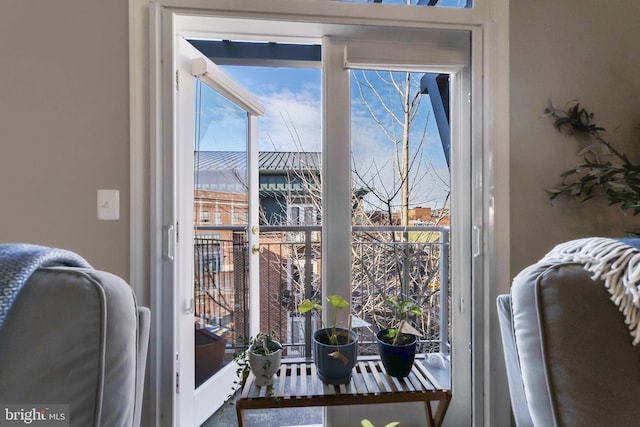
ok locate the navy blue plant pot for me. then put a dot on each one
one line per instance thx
(331, 370)
(396, 359)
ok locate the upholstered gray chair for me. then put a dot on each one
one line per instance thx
(569, 355)
(76, 336)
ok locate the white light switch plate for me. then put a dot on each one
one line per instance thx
(108, 204)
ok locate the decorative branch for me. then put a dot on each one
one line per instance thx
(605, 172)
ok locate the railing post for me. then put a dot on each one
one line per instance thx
(240, 285)
(444, 291)
(404, 284)
(308, 291)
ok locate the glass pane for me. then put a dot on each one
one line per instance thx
(289, 193)
(309, 216)
(220, 196)
(295, 215)
(401, 188)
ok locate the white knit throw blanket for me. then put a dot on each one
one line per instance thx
(615, 262)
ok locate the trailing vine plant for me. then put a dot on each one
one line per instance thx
(605, 171)
(263, 344)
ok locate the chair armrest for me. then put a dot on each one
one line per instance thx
(144, 316)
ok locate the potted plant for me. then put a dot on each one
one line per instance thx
(397, 345)
(366, 423)
(209, 354)
(265, 354)
(335, 349)
(262, 356)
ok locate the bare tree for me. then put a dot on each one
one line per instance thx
(392, 100)
(384, 264)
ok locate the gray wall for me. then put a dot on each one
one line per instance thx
(64, 125)
(565, 50)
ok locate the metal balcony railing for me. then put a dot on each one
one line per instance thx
(385, 261)
(412, 261)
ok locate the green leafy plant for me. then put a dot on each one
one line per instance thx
(333, 333)
(366, 423)
(264, 344)
(337, 302)
(403, 306)
(605, 171)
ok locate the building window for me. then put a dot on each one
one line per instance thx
(204, 216)
(300, 214)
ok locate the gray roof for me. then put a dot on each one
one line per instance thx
(225, 170)
(269, 161)
(220, 160)
(283, 161)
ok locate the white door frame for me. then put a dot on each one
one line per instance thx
(487, 24)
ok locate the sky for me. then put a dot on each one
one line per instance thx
(291, 98)
(292, 122)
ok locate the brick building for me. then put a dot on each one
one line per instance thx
(220, 211)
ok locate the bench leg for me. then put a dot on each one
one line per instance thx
(240, 415)
(441, 409)
(427, 409)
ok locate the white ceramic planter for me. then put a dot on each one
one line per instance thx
(265, 367)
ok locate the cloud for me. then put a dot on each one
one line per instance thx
(291, 121)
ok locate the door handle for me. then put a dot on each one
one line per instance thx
(257, 249)
(477, 241)
(170, 243)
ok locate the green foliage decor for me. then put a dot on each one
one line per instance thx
(337, 302)
(402, 332)
(366, 423)
(605, 171)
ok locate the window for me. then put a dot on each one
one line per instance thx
(302, 215)
(486, 158)
(204, 216)
(296, 327)
(436, 3)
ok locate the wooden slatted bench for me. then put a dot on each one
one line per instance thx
(298, 385)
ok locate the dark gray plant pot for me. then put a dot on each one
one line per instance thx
(396, 359)
(332, 370)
